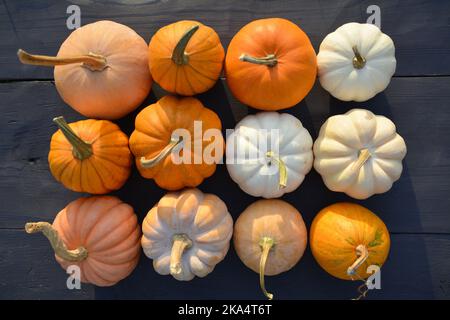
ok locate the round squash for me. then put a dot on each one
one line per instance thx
(101, 70)
(356, 61)
(187, 233)
(270, 238)
(269, 154)
(359, 153)
(347, 238)
(90, 156)
(186, 57)
(98, 234)
(155, 140)
(270, 64)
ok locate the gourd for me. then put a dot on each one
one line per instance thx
(269, 154)
(347, 238)
(270, 238)
(356, 61)
(359, 153)
(98, 234)
(270, 64)
(187, 233)
(101, 69)
(155, 140)
(89, 156)
(186, 57)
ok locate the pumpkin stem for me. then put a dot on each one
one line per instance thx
(281, 168)
(266, 245)
(269, 60)
(92, 61)
(363, 156)
(179, 55)
(180, 242)
(81, 150)
(358, 61)
(150, 163)
(58, 245)
(363, 254)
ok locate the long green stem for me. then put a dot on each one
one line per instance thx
(179, 55)
(81, 149)
(266, 245)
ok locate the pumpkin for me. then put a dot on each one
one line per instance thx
(359, 153)
(270, 238)
(347, 238)
(89, 156)
(356, 61)
(156, 139)
(186, 57)
(98, 234)
(187, 233)
(269, 154)
(270, 64)
(100, 70)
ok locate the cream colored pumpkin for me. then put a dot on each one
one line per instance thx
(187, 233)
(359, 153)
(356, 61)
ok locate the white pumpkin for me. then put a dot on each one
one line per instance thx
(356, 62)
(269, 154)
(187, 233)
(359, 153)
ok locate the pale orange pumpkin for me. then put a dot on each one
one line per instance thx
(99, 234)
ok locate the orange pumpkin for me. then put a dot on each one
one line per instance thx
(89, 156)
(270, 64)
(347, 238)
(155, 138)
(186, 57)
(99, 234)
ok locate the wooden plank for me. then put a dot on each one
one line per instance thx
(419, 28)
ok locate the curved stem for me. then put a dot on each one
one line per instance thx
(269, 60)
(358, 61)
(180, 243)
(364, 155)
(58, 245)
(281, 168)
(363, 254)
(150, 163)
(179, 55)
(81, 150)
(266, 245)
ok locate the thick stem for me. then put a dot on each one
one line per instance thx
(363, 254)
(81, 149)
(358, 61)
(150, 163)
(269, 60)
(364, 155)
(281, 168)
(92, 61)
(266, 245)
(179, 55)
(57, 243)
(180, 242)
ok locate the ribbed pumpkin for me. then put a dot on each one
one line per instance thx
(99, 234)
(89, 156)
(154, 139)
(347, 238)
(270, 64)
(186, 57)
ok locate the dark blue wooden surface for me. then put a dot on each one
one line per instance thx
(416, 210)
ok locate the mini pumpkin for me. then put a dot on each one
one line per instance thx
(98, 234)
(156, 140)
(89, 156)
(269, 154)
(270, 64)
(187, 233)
(101, 69)
(359, 153)
(270, 238)
(347, 238)
(186, 57)
(356, 61)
